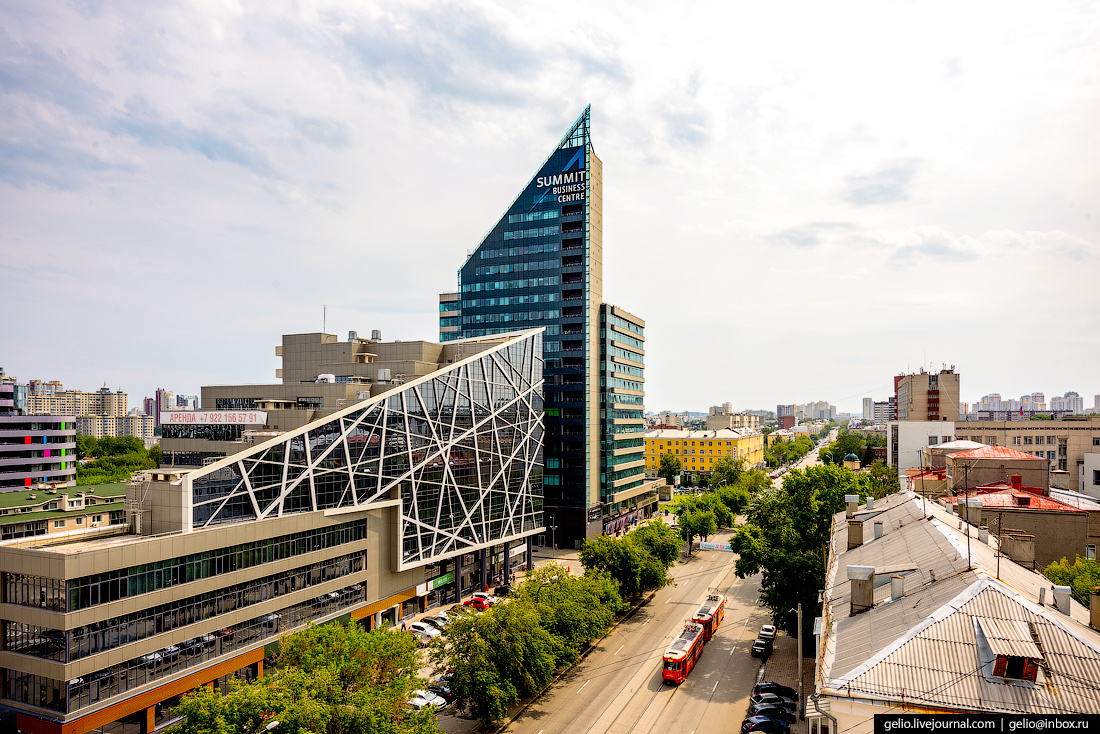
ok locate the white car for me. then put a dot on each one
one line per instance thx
(423, 628)
(767, 632)
(419, 699)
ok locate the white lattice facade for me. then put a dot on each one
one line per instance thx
(459, 451)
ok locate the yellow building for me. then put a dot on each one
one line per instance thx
(698, 450)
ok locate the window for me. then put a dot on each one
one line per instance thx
(1050, 455)
(1015, 440)
(1090, 552)
(59, 523)
(1096, 440)
(1050, 440)
(1027, 440)
(933, 440)
(1096, 477)
(79, 521)
(97, 518)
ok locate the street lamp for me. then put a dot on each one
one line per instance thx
(553, 534)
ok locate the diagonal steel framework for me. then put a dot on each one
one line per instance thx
(461, 449)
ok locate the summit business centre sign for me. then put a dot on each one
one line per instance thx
(566, 186)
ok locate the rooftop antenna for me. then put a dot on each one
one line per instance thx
(324, 316)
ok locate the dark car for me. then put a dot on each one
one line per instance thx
(771, 699)
(772, 712)
(503, 590)
(775, 688)
(765, 725)
(761, 648)
(441, 686)
(440, 623)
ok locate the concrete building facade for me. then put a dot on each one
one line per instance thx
(924, 396)
(698, 450)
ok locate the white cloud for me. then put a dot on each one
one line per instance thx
(801, 199)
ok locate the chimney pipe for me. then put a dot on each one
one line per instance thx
(863, 588)
(870, 503)
(1043, 596)
(1017, 481)
(897, 587)
(1061, 598)
(878, 529)
(855, 534)
(1094, 608)
(852, 500)
(983, 535)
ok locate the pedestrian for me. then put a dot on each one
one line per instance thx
(404, 625)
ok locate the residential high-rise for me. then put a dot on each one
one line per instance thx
(868, 409)
(541, 264)
(924, 396)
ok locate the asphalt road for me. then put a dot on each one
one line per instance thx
(618, 687)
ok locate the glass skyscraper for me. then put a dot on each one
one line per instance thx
(542, 265)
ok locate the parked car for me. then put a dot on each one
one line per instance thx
(774, 712)
(423, 628)
(440, 623)
(503, 590)
(209, 640)
(767, 631)
(773, 700)
(441, 686)
(761, 648)
(486, 596)
(420, 699)
(765, 725)
(170, 653)
(784, 691)
(151, 659)
(478, 603)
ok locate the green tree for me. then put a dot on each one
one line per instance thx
(735, 498)
(786, 538)
(156, 455)
(626, 561)
(670, 468)
(726, 471)
(1082, 576)
(698, 524)
(659, 540)
(331, 679)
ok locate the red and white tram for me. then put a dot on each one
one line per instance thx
(682, 654)
(710, 614)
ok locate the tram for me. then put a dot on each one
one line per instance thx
(710, 614)
(682, 654)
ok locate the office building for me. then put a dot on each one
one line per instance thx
(1064, 443)
(722, 416)
(924, 396)
(35, 449)
(868, 409)
(541, 264)
(698, 450)
(785, 416)
(425, 491)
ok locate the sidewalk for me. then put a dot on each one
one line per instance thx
(782, 668)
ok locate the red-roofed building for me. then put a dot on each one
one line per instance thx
(1060, 530)
(988, 464)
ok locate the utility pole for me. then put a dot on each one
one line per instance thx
(553, 534)
(801, 697)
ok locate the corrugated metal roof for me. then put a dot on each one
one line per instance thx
(923, 649)
(1010, 637)
(994, 452)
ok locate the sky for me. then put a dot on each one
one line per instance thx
(802, 199)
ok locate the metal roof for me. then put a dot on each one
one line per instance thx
(994, 452)
(935, 646)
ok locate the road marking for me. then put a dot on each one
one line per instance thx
(620, 649)
(712, 690)
(585, 684)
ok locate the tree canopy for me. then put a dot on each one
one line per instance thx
(1081, 576)
(786, 537)
(513, 650)
(331, 679)
(726, 471)
(115, 459)
(670, 468)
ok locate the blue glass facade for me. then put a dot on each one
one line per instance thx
(541, 265)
